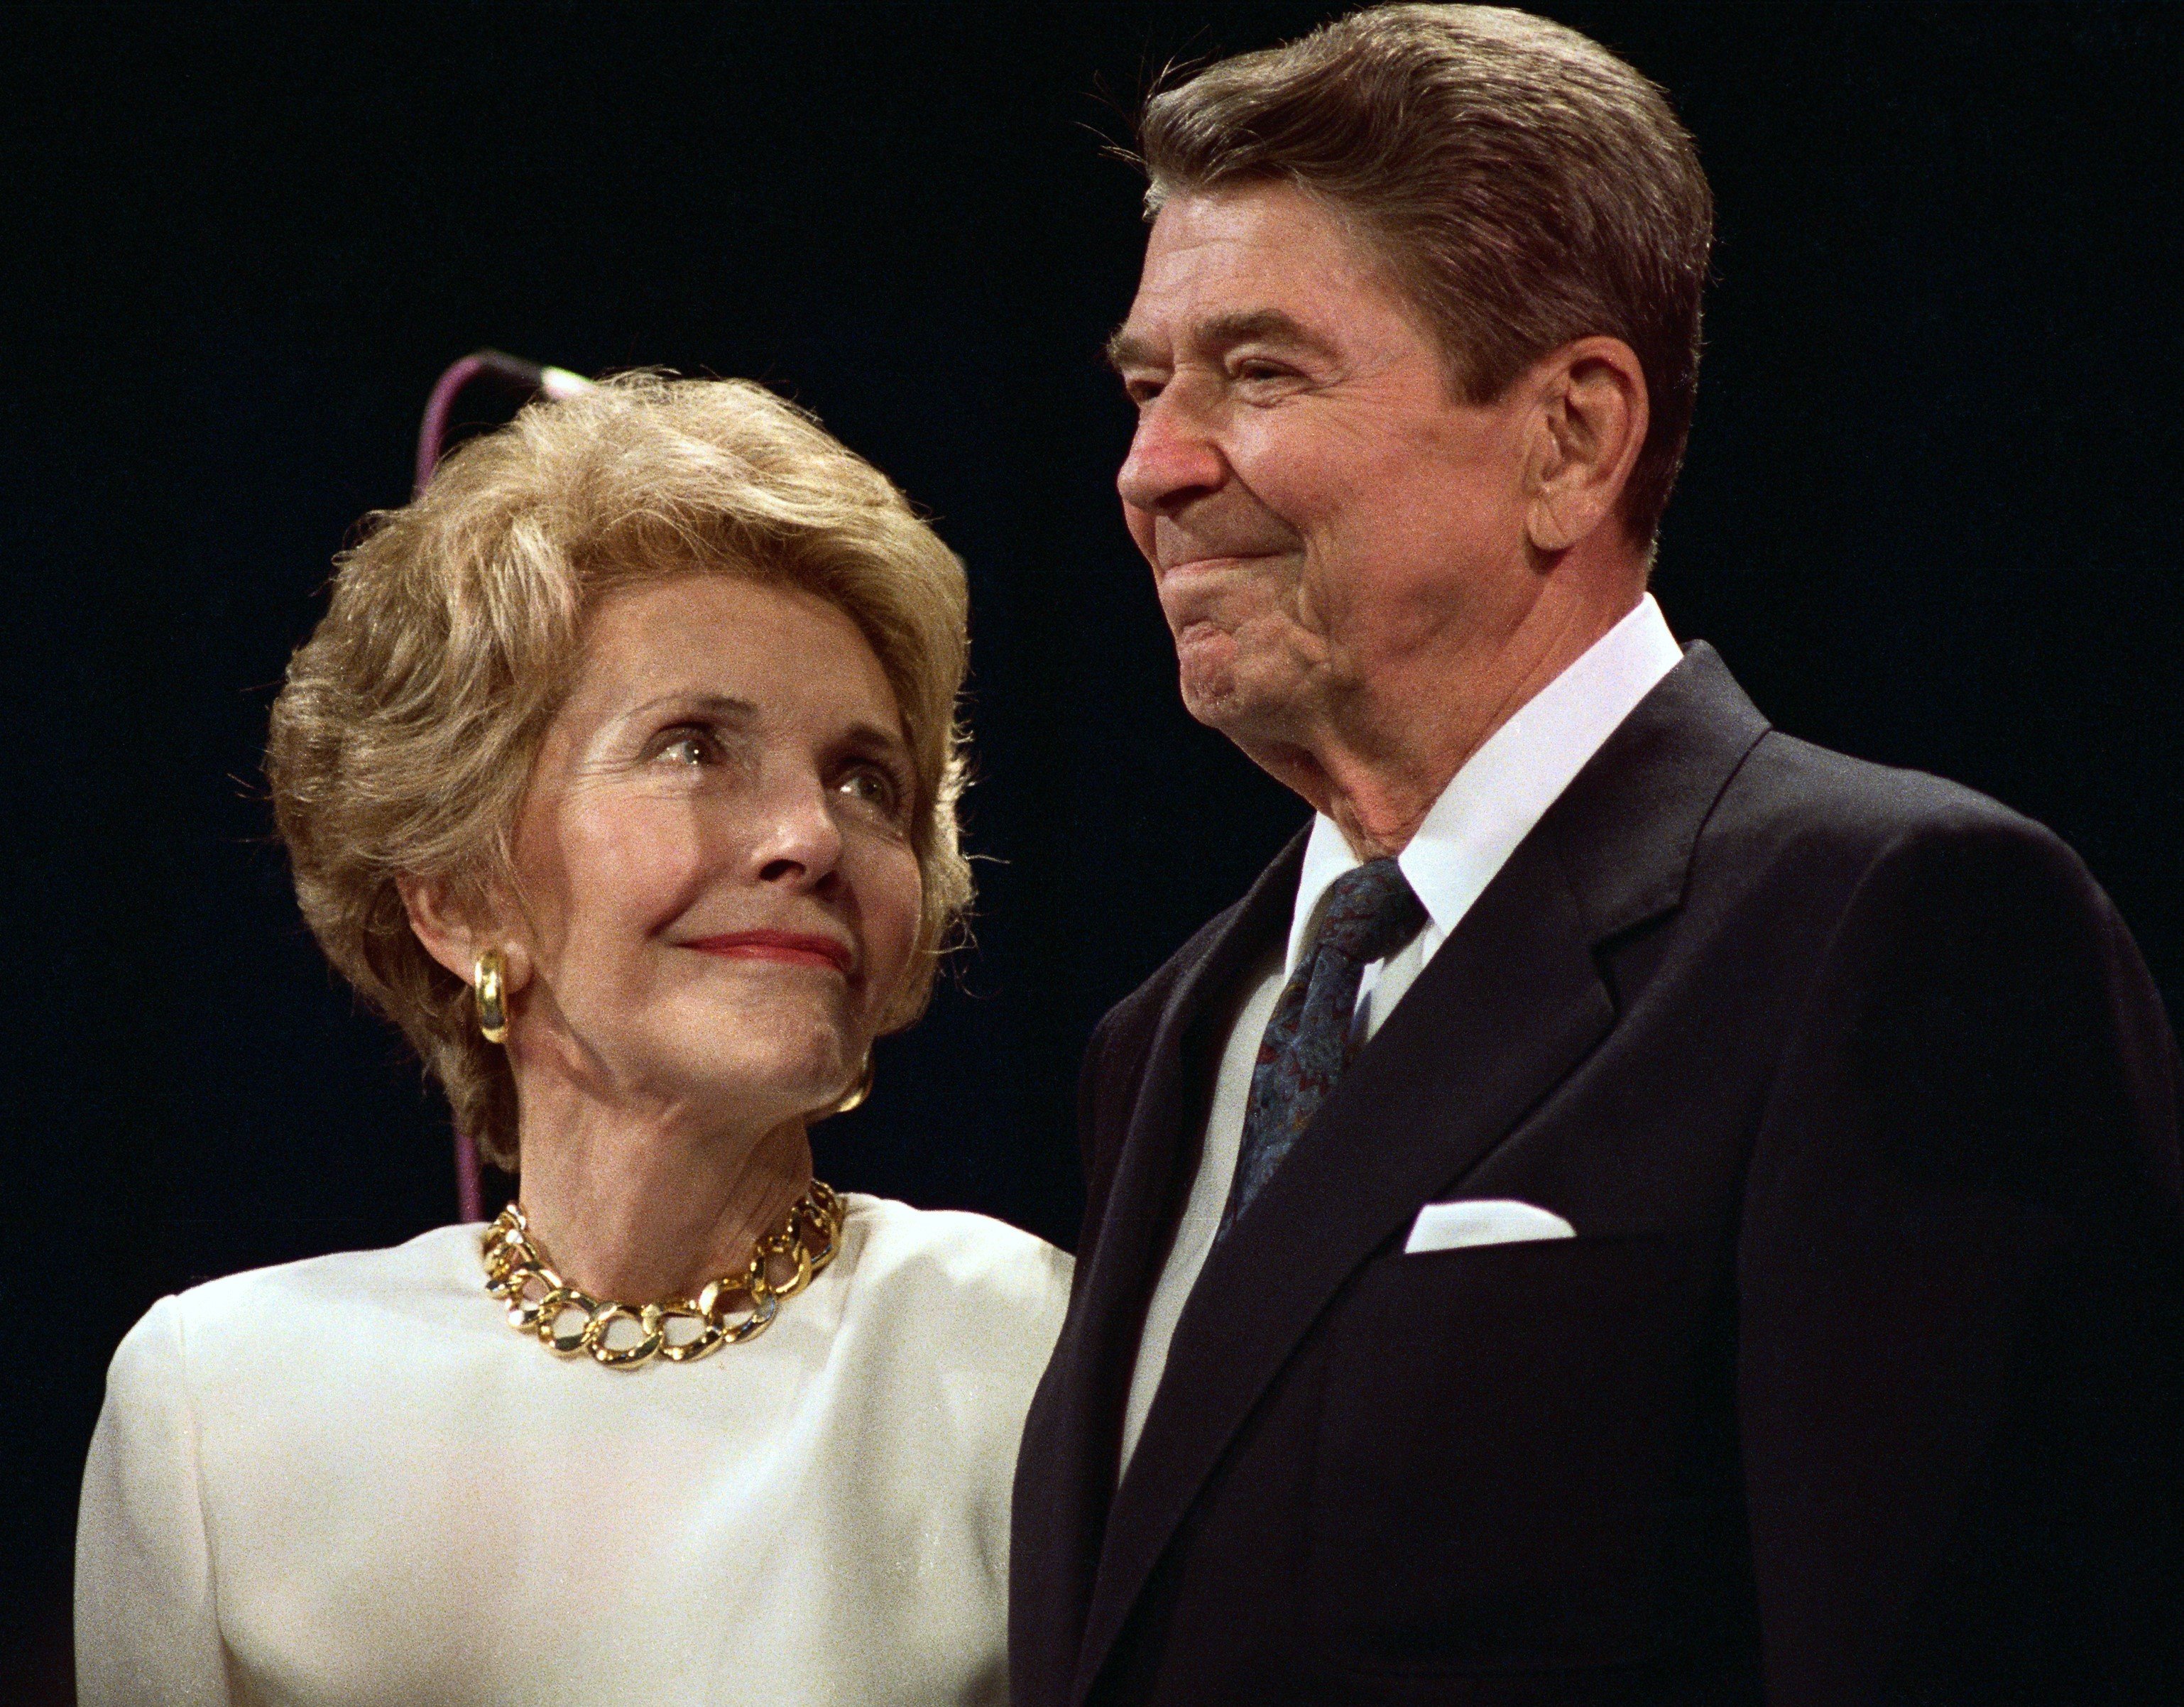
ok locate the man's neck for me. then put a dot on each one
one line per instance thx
(1376, 765)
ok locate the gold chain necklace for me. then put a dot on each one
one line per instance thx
(539, 1300)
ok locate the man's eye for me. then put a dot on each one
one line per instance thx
(1142, 392)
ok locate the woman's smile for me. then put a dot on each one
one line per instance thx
(793, 948)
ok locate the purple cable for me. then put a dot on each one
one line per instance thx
(513, 372)
(556, 382)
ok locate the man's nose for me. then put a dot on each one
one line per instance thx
(1174, 457)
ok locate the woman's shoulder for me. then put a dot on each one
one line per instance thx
(946, 1294)
(953, 1247)
(429, 1264)
(253, 1311)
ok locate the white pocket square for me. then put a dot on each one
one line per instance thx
(1483, 1221)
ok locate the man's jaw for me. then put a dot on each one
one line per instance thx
(1251, 686)
(1279, 696)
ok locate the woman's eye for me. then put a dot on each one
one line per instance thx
(689, 750)
(874, 788)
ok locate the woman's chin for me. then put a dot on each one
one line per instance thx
(773, 1088)
(734, 1064)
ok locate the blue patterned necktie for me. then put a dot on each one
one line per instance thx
(1370, 912)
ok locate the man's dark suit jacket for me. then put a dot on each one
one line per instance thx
(1859, 1383)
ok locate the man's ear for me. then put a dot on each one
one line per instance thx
(454, 935)
(1590, 425)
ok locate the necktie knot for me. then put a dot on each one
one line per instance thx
(1370, 912)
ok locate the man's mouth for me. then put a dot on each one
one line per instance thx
(1212, 562)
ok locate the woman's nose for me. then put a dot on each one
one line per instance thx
(1174, 457)
(800, 841)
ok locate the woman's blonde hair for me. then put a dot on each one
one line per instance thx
(403, 740)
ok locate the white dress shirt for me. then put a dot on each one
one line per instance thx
(348, 1480)
(1489, 807)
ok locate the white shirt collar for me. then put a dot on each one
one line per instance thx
(1504, 789)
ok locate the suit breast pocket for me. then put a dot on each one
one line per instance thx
(1503, 1450)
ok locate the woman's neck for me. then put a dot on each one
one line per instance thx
(638, 1211)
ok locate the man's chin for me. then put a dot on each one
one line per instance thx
(1221, 697)
(1209, 688)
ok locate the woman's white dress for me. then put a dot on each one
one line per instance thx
(347, 1480)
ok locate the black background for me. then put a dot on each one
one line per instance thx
(1931, 515)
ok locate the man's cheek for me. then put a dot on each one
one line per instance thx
(1141, 532)
(1323, 597)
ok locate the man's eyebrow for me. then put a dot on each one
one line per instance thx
(1125, 350)
(1258, 326)
(1244, 326)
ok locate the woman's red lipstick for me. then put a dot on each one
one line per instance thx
(791, 946)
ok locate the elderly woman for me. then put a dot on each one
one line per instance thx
(620, 775)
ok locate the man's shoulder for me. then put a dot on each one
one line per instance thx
(1809, 800)
(1804, 831)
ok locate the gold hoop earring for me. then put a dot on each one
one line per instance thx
(855, 1096)
(492, 999)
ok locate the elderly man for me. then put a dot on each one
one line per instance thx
(1631, 1207)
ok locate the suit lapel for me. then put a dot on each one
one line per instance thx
(1158, 1149)
(1507, 1008)
(1088, 1380)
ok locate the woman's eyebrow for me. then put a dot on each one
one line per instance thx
(869, 736)
(724, 708)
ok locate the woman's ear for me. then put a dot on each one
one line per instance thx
(452, 934)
